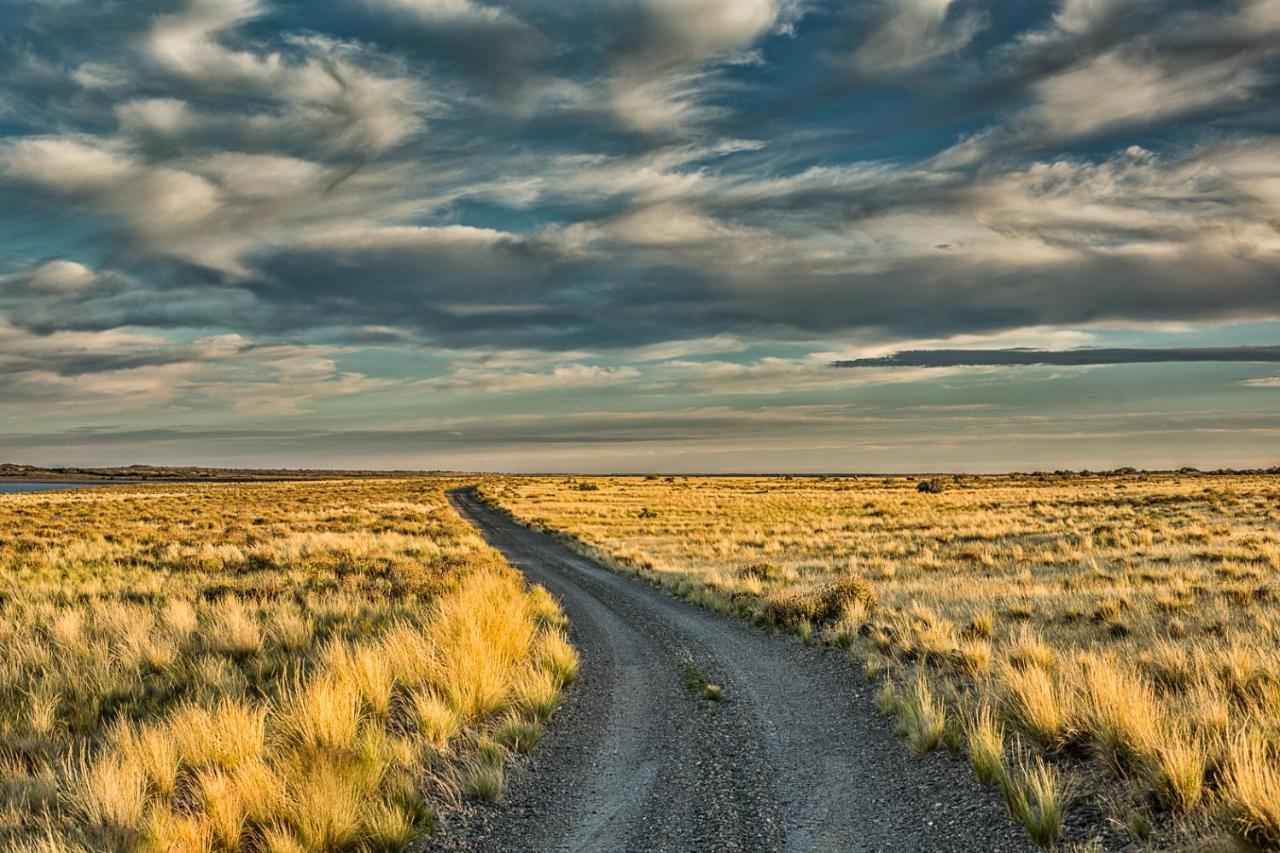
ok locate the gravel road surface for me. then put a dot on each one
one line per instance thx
(794, 757)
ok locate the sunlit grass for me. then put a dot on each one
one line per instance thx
(1124, 627)
(289, 667)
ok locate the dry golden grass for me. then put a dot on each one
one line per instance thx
(285, 667)
(1126, 628)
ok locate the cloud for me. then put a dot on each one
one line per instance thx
(685, 348)
(198, 141)
(1115, 90)
(350, 109)
(435, 12)
(116, 370)
(55, 276)
(487, 44)
(1073, 357)
(209, 210)
(665, 69)
(579, 376)
(1102, 67)
(770, 375)
(907, 34)
(281, 210)
(683, 253)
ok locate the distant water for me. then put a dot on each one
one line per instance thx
(7, 488)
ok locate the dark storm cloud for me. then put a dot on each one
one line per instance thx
(1074, 358)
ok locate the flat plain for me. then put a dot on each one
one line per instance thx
(267, 666)
(1104, 650)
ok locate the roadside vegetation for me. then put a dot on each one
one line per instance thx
(1106, 647)
(320, 666)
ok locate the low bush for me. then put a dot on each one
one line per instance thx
(820, 606)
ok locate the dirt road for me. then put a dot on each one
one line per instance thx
(794, 757)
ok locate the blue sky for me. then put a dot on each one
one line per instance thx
(628, 235)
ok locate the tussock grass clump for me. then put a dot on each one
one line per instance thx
(887, 700)
(484, 780)
(275, 667)
(922, 718)
(984, 735)
(1118, 712)
(1036, 797)
(1250, 798)
(557, 657)
(320, 714)
(434, 719)
(518, 733)
(1036, 703)
(1179, 767)
(223, 735)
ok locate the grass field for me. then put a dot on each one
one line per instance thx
(1103, 645)
(279, 667)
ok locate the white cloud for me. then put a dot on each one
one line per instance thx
(1082, 16)
(500, 381)
(118, 371)
(1037, 337)
(659, 87)
(56, 277)
(1115, 90)
(695, 30)
(684, 348)
(775, 375)
(157, 200)
(154, 117)
(31, 368)
(914, 33)
(1105, 66)
(344, 107)
(186, 43)
(669, 225)
(209, 210)
(443, 11)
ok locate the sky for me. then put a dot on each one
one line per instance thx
(641, 235)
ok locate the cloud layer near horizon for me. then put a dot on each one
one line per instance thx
(1071, 357)
(302, 214)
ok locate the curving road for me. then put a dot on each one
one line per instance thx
(793, 758)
